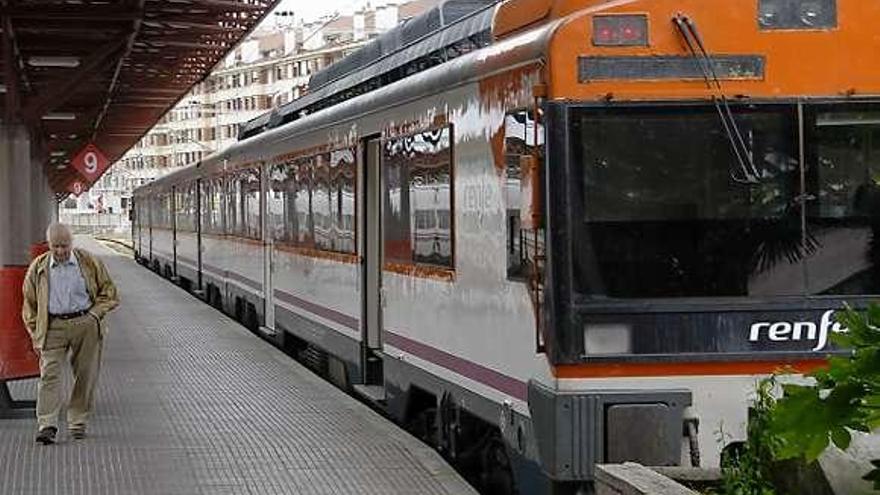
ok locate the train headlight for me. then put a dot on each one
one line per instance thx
(620, 30)
(607, 338)
(797, 14)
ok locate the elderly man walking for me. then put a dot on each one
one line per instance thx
(67, 293)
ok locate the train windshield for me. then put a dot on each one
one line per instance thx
(667, 209)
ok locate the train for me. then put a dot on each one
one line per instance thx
(548, 234)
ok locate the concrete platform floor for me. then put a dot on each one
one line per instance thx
(190, 402)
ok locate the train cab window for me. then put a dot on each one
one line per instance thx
(520, 140)
(417, 197)
(843, 211)
(666, 210)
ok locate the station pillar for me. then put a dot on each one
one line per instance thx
(27, 204)
(26, 207)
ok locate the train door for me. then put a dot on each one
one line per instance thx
(141, 216)
(135, 218)
(151, 205)
(266, 225)
(199, 210)
(372, 295)
(174, 231)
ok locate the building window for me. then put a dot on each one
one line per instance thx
(417, 198)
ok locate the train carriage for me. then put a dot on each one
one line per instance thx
(545, 234)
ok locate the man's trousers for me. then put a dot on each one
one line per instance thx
(82, 338)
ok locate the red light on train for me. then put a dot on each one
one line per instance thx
(620, 30)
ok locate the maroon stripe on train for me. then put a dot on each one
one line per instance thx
(463, 367)
(501, 382)
(326, 313)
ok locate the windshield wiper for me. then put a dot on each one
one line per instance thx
(741, 150)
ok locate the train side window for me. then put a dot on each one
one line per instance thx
(180, 220)
(166, 210)
(156, 210)
(279, 177)
(318, 202)
(417, 198)
(521, 143)
(216, 197)
(253, 228)
(304, 235)
(204, 205)
(232, 200)
(342, 197)
(185, 208)
(321, 205)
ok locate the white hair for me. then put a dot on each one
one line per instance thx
(56, 231)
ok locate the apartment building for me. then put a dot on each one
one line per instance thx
(270, 68)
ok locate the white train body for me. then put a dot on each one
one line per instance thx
(404, 237)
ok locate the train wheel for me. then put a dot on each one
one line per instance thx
(496, 475)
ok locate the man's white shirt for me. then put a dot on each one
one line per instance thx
(67, 287)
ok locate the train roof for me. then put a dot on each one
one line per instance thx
(448, 30)
(506, 53)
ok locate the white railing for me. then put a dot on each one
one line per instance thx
(115, 224)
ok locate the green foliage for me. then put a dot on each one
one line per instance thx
(747, 471)
(844, 397)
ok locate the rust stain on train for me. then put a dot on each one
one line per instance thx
(421, 271)
(348, 258)
(501, 93)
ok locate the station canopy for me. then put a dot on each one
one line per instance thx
(80, 72)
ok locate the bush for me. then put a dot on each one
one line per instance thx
(845, 396)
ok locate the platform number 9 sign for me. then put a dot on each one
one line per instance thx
(90, 162)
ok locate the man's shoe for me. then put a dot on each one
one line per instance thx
(46, 436)
(78, 433)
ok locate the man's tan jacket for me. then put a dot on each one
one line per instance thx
(35, 310)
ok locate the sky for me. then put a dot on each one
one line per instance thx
(309, 10)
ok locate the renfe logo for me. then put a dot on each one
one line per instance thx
(784, 331)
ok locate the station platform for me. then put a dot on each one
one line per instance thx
(190, 402)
